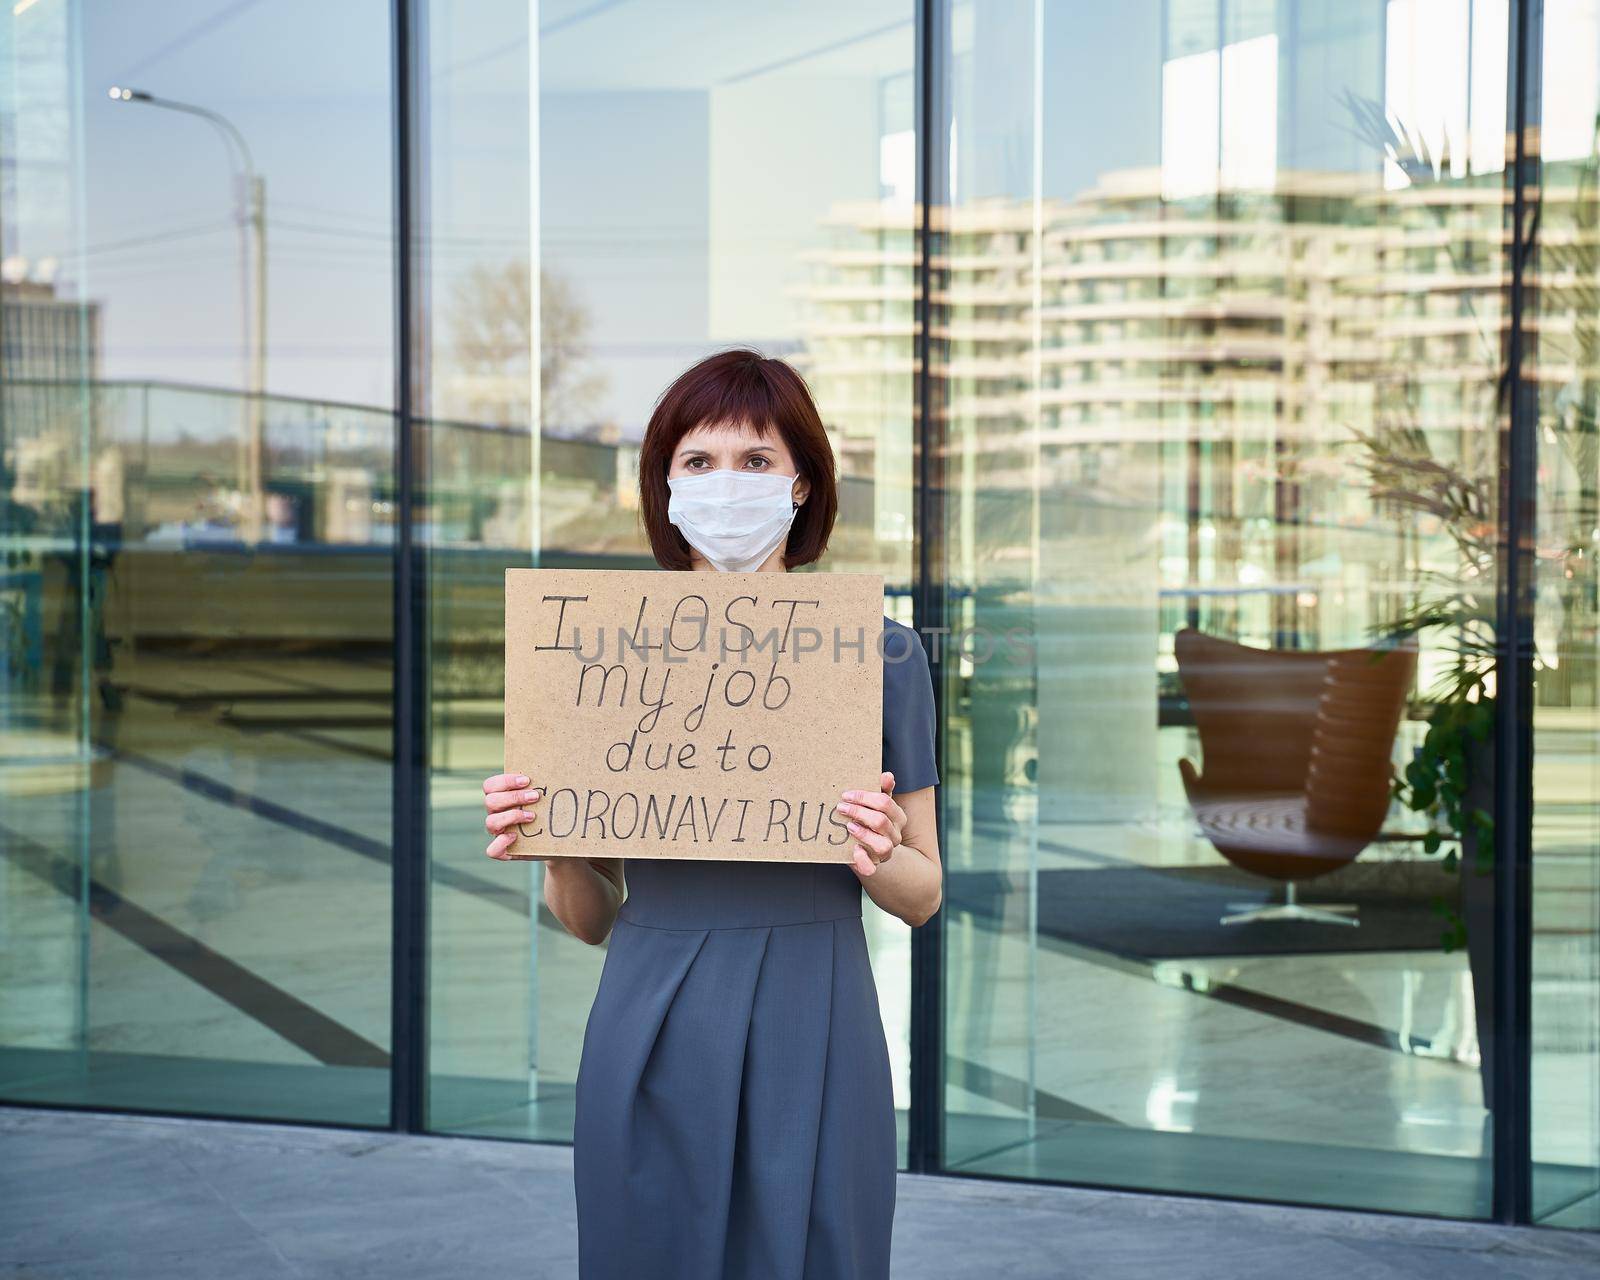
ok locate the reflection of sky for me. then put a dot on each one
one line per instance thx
(688, 151)
(688, 155)
(307, 84)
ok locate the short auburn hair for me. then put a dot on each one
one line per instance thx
(739, 386)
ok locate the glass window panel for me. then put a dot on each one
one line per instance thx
(1208, 357)
(196, 432)
(1566, 713)
(676, 179)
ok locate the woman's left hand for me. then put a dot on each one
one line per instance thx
(876, 822)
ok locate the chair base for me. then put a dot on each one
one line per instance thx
(1291, 908)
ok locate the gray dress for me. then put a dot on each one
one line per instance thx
(735, 1115)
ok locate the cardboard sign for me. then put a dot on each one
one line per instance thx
(693, 715)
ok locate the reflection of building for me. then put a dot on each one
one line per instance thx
(1160, 321)
(49, 351)
(44, 338)
(1205, 360)
(857, 320)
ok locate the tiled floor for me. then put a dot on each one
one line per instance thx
(85, 1195)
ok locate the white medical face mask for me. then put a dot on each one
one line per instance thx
(735, 519)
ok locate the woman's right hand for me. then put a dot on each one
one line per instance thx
(508, 799)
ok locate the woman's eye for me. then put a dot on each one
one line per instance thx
(759, 463)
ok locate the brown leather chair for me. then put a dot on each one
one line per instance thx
(1296, 748)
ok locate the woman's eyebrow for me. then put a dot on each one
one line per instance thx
(698, 451)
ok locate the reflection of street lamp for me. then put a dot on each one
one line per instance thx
(252, 208)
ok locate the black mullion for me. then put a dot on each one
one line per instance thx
(1513, 730)
(409, 801)
(925, 1128)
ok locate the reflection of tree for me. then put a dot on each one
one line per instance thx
(1563, 365)
(490, 345)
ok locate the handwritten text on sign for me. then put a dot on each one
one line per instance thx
(693, 715)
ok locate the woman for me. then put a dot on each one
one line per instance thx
(735, 1116)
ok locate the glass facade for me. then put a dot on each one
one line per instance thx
(1214, 383)
(198, 465)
